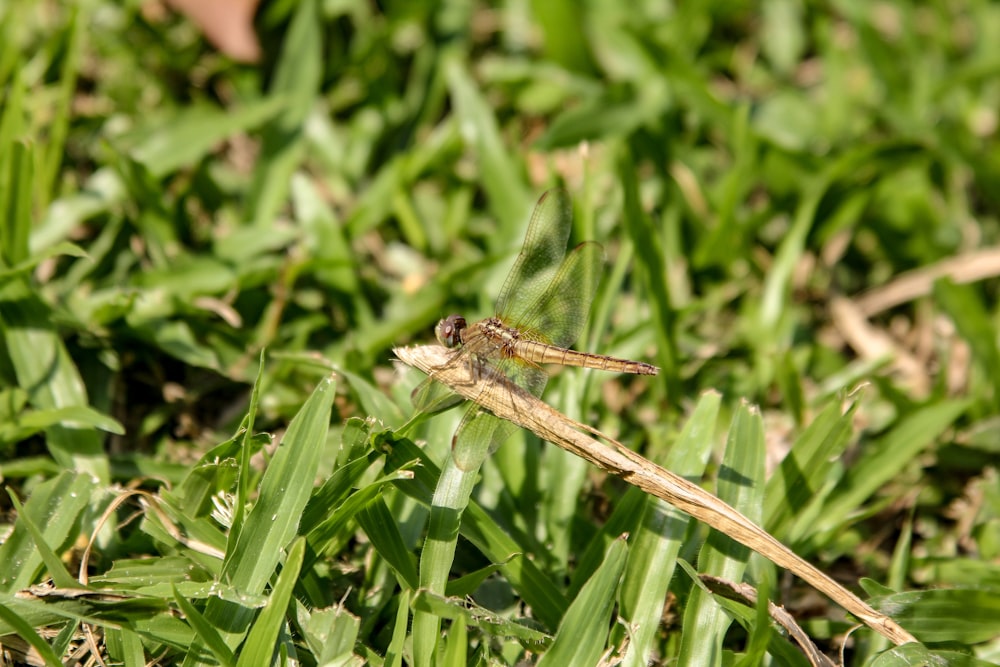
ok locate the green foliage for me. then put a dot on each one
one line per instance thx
(196, 254)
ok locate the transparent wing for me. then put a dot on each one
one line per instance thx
(524, 288)
(480, 433)
(546, 299)
(540, 256)
(560, 312)
(431, 396)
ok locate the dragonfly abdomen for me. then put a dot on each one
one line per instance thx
(542, 353)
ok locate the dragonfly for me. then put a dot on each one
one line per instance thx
(540, 312)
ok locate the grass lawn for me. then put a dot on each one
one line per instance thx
(210, 454)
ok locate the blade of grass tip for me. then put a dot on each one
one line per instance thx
(246, 454)
(263, 635)
(583, 632)
(629, 512)
(659, 539)
(741, 484)
(451, 497)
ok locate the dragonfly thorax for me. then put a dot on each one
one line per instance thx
(449, 330)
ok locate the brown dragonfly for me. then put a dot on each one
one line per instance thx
(541, 310)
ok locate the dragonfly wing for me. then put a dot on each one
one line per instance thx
(559, 313)
(540, 256)
(431, 396)
(480, 433)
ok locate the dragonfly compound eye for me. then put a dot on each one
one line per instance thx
(449, 330)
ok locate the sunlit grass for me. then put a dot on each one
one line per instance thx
(201, 259)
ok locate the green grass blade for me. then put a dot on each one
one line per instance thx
(451, 497)
(54, 505)
(55, 144)
(253, 551)
(741, 485)
(968, 615)
(45, 367)
(660, 537)
(297, 79)
(26, 632)
(205, 631)
(509, 200)
(583, 633)
(394, 654)
(380, 528)
(538, 590)
(803, 472)
(55, 567)
(650, 256)
(265, 630)
(16, 181)
(884, 458)
(284, 491)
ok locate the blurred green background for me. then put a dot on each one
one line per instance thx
(797, 200)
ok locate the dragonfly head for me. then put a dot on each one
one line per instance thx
(449, 330)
